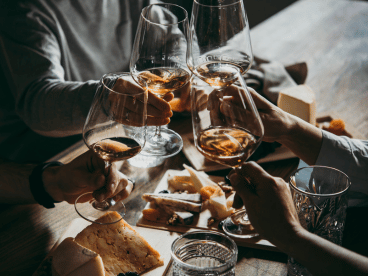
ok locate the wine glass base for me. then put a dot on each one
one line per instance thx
(90, 209)
(167, 144)
(238, 226)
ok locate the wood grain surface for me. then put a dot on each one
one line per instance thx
(331, 36)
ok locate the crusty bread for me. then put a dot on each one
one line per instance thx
(121, 248)
(72, 259)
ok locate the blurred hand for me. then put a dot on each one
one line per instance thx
(158, 109)
(184, 102)
(86, 173)
(268, 202)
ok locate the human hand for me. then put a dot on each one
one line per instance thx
(268, 202)
(183, 103)
(158, 109)
(86, 173)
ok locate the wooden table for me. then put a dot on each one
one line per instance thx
(331, 36)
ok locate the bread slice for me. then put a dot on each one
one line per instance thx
(121, 248)
(72, 259)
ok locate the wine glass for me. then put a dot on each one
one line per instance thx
(158, 62)
(219, 41)
(115, 131)
(227, 129)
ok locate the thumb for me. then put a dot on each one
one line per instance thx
(98, 180)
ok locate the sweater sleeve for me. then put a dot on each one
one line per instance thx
(351, 157)
(31, 58)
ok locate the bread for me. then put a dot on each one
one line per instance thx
(121, 248)
(72, 259)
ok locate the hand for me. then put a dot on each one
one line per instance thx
(158, 109)
(277, 123)
(84, 174)
(268, 203)
(184, 102)
(233, 106)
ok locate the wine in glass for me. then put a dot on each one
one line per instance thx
(115, 131)
(158, 62)
(219, 41)
(228, 131)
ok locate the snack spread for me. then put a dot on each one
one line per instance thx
(187, 197)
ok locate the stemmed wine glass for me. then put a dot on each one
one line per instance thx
(227, 130)
(115, 131)
(158, 62)
(219, 41)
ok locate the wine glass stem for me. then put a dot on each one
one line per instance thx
(158, 131)
(103, 205)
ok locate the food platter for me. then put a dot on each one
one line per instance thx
(200, 221)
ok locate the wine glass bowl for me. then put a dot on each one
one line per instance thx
(114, 130)
(219, 41)
(158, 62)
(227, 130)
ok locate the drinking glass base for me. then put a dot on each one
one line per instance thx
(91, 210)
(168, 143)
(238, 226)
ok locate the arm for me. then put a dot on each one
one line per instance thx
(84, 174)
(38, 64)
(271, 211)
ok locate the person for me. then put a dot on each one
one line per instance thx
(52, 54)
(86, 173)
(268, 199)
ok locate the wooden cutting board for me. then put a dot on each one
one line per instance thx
(158, 239)
(200, 220)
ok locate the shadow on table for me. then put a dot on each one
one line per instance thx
(17, 245)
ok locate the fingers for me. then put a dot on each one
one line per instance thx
(157, 121)
(123, 194)
(158, 103)
(110, 186)
(168, 97)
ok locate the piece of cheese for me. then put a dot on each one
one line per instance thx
(181, 183)
(299, 101)
(121, 248)
(196, 198)
(199, 180)
(179, 205)
(218, 207)
(72, 259)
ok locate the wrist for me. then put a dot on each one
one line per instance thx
(50, 184)
(290, 126)
(291, 239)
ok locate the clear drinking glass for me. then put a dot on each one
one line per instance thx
(158, 62)
(219, 41)
(320, 195)
(115, 129)
(204, 253)
(227, 129)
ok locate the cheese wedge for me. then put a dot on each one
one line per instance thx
(121, 248)
(72, 259)
(181, 183)
(195, 198)
(218, 207)
(199, 180)
(179, 205)
(299, 101)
